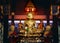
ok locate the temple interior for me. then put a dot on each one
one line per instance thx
(30, 21)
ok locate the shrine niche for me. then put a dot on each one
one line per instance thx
(30, 24)
(30, 8)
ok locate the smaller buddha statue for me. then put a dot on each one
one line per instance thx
(40, 27)
(20, 27)
(48, 34)
(12, 27)
(11, 30)
(12, 33)
(47, 31)
(29, 23)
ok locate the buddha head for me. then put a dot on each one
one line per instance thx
(12, 27)
(20, 26)
(29, 16)
(48, 27)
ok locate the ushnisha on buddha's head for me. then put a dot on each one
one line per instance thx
(30, 15)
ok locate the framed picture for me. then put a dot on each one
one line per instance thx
(55, 9)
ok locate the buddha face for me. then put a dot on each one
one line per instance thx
(12, 27)
(48, 27)
(29, 16)
(20, 25)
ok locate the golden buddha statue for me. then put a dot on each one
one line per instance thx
(20, 27)
(29, 23)
(47, 31)
(40, 27)
(12, 27)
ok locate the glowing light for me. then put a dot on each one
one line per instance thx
(37, 21)
(27, 9)
(22, 21)
(9, 21)
(33, 9)
(50, 21)
(44, 21)
(16, 21)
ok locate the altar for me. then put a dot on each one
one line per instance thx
(31, 38)
(30, 33)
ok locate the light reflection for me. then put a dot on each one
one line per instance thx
(22, 21)
(16, 21)
(45, 21)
